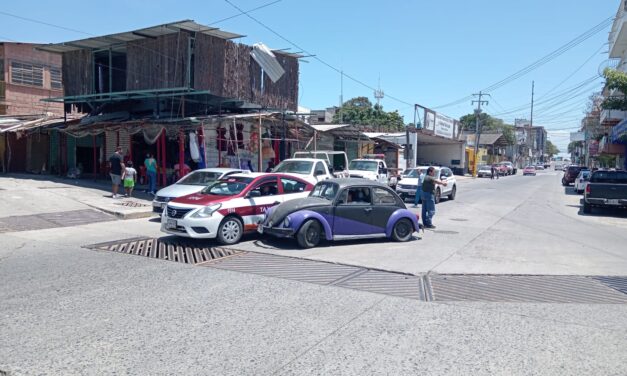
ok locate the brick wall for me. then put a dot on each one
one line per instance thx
(23, 99)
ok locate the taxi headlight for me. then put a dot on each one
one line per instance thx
(207, 211)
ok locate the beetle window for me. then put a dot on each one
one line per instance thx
(383, 197)
(356, 196)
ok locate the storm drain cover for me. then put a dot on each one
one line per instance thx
(522, 288)
(165, 249)
(324, 273)
(53, 220)
(617, 283)
(131, 204)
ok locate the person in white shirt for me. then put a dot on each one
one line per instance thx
(130, 177)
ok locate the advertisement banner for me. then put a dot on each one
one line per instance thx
(593, 148)
(429, 120)
(577, 136)
(444, 126)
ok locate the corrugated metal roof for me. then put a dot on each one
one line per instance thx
(268, 62)
(106, 41)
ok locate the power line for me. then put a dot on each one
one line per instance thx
(542, 61)
(328, 65)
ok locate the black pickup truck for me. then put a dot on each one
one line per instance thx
(606, 189)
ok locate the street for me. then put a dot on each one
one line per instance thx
(74, 309)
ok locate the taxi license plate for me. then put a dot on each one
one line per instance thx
(171, 223)
(612, 201)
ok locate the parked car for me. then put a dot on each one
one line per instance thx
(529, 170)
(539, 167)
(511, 169)
(230, 207)
(310, 169)
(407, 187)
(193, 182)
(570, 174)
(484, 170)
(342, 209)
(500, 169)
(582, 180)
(606, 189)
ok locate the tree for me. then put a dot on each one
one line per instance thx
(615, 80)
(488, 124)
(551, 149)
(573, 145)
(361, 111)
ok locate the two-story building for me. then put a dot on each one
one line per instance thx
(185, 92)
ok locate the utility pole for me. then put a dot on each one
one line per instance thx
(530, 143)
(479, 102)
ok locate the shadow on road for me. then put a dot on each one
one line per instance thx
(604, 212)
(292, 245)
(570, 191)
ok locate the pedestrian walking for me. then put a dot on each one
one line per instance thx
(116, 167)
(129, 178)
(492, 171)
(428, 197)
(151, 170)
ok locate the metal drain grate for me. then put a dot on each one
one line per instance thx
(518, 288)
(131, 204)
(52, 220)
(394, 284)
(617, 283)
(165, 249)
(321, 273)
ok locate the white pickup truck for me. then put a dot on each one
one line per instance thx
(309, 169)
(371, 169)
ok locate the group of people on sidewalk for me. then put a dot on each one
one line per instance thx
(123, 173)
(425, 195)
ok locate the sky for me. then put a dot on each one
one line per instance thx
(429, 53)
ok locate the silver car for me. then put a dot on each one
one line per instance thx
(193, 182)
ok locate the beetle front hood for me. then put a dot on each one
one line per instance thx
(281, 211)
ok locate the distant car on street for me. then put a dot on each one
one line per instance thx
(582, 180)
(511, 169)
(570, 174)
(529, 170)
(540, 167)
(340, 209)
(193, 182)
(484, 170)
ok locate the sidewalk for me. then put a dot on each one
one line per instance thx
(95, 194)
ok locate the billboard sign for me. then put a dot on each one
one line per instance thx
(429, 120)
(444, 126)
(577, 136)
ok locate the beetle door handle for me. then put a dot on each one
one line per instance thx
(368, 210)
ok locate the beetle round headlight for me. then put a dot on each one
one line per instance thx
(287, 222)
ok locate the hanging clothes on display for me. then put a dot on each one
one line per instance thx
(194, 151)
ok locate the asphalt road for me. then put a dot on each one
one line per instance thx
(67, 310)
(513, 225)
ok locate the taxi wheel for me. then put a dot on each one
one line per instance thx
(402, 231)
(309, 234)
(230, 230)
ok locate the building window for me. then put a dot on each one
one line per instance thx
(55, 79)
(1, 70)
(27, 74)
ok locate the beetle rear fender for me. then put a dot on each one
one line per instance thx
(299, 217)
(398, 214)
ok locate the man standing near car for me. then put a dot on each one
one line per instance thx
(115, 169)
(428, 197)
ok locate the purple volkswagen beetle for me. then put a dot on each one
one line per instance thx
(339, 209)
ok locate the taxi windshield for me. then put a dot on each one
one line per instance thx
(228, 187)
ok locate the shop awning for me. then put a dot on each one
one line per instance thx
(21, 125)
